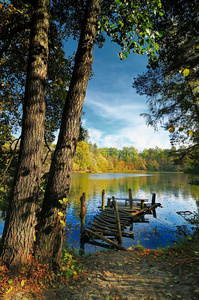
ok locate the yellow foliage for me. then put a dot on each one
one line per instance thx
(185, 72)
(190, 132)
(172, 129)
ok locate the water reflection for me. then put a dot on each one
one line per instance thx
(172, 190)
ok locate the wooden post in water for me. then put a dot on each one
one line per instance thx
(83, 214)
(130, 199)
(118, 225)
(153, 198)
(103, 200)
(108, 202)
(142, 204)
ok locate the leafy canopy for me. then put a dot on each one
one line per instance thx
(172, 84)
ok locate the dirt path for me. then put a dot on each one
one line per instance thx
(136, 275)
(127, 275)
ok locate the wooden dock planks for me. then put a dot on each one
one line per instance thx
(110, 224)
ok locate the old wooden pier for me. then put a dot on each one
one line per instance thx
(111, 223)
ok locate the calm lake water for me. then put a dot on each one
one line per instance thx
(172, 191)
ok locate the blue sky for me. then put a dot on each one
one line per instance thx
(112, 107)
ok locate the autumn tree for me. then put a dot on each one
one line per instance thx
(82, 157)
(172, 83)
(19, 229)
(15, 43)
(52, 220)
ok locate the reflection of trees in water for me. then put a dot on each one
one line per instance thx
(183, 231)
(177, 183)
(173, 183)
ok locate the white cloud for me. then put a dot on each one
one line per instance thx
(113, 108)
(116, 122)
(116, 107)
(140, 137)
(143, 136)
(95, 135)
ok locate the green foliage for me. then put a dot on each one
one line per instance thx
(71, 266)
(129, 24)
(82, 158)
(187, 245)
(15, 42)
(139, 247)
(90, 158)
(64, 200)
(172, 84)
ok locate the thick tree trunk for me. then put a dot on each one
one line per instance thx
(19, 230)
(51, 230)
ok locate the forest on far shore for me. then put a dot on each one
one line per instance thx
(90, 158)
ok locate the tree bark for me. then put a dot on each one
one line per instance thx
(51, 230)
(19, 230)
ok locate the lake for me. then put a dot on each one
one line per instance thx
(172, 191)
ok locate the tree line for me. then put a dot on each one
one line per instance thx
(90, 158)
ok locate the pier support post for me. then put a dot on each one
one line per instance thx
(103, 200)
(142, 204)
(153, 198)
(117, 216)
(83, 214)
(130, 199)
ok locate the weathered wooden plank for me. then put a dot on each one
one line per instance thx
(102, 227)
(111, 216)
(112, 233)
(146, 209)
(130, 199)
(103, 200)
(107, 222)
(101, 237)
(121, 211)
(99, 221)
(127, 199)
(100, 244)
(83, 214)
(117, 216)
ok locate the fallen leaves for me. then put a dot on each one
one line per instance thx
(10, 289)
(22, 283)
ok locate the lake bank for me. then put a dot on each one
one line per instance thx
(123, 275)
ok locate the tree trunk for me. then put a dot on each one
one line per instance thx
(19, 230)
(50, 229)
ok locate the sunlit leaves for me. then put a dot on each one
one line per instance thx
(172, 84)
(63, 223)
(9, 290)
(129, 25)
(186, 72)
(14, 42)
(10, 281)
(190, 132)
(22, 283)
(64, 200)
